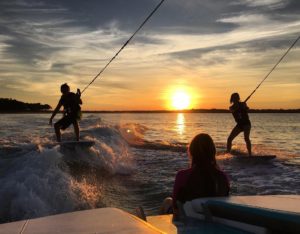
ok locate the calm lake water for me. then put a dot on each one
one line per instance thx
(134, 160)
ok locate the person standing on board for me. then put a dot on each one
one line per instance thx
(72, 111)
(239, 111)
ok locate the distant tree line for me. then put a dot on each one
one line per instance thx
(12, 105)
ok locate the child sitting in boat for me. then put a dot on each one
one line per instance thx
(204, 178)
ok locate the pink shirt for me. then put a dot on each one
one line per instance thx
(181, 179)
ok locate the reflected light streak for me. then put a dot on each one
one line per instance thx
(180, 123)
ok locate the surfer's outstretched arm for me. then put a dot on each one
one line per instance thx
(55, 112)
(78, 94)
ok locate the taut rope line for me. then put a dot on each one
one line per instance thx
(273, 68)
(102, 70)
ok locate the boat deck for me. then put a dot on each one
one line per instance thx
(103, 220)
(234, 214)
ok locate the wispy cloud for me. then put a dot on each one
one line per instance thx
(45, 43)
(272, 4)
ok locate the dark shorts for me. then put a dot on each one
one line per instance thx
(244, 127)
(65, 122)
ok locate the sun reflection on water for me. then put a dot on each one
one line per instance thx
(180, 121)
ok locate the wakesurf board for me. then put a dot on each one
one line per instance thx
(255, 157)
(73, 144)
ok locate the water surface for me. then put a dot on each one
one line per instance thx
(134, 160)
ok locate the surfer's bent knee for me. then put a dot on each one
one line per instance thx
(56, 126)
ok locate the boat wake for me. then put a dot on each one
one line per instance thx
(41, 178)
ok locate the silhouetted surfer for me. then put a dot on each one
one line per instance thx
(240, 113)
(72, 111)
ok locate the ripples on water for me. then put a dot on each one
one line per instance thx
(134, 160)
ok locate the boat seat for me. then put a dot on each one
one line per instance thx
(258, 214)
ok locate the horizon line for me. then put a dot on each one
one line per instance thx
(201, 110)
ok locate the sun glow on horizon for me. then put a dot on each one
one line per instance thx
(180, 100)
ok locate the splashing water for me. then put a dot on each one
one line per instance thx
(134, 161)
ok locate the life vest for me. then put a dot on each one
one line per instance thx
(71, 103)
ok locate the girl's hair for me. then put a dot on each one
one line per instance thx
(235, 97)
(206, 179)
(202, 151)
(64, 88)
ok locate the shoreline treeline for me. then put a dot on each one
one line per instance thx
(8, 105)
(12, 105)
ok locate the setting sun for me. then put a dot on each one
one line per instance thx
(180, 100)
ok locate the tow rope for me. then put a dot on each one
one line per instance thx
(126, 43)
(273, 68)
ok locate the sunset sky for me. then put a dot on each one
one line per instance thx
(192, 52)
